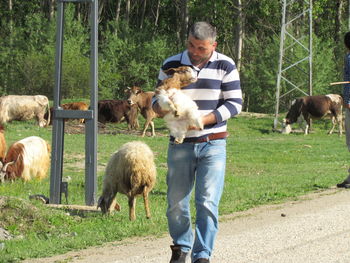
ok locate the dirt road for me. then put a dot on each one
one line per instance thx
(314, 229)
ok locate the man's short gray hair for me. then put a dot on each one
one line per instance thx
(203, 31)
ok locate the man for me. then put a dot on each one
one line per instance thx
(346, 96)
(199, 162)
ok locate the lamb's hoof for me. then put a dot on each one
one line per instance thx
(176, 114)
(178, 141)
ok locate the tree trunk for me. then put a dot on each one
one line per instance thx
(127, 12)
(239, 35)
(183, 13)
(51, 9)
(143, 13)
(338, 17)
(157, 14)
(117, 12)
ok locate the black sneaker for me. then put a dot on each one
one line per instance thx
(177, 255)
(344, 184)
(202, 260)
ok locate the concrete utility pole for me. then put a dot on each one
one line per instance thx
(90, 115)
(292, 38)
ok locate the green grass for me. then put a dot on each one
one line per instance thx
(262, 167)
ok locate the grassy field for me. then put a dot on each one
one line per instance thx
(262, 167)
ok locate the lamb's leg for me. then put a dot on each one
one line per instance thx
(132, 203)
(179, 139)
(199, 123)
(146, 203)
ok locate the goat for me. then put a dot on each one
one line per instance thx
(131, 171)
(26, 159)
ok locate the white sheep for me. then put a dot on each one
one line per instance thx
(182, 110)
(131, 171)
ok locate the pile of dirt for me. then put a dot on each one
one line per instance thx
(72, 127)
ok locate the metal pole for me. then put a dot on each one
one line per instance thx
(310, 48)
(57, 124)
(91, 125)
(279, 75)
(90, 115)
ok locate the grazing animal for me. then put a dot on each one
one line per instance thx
(2, 143)
(144, 102)
(182, 111)
(118, 111)
(76, 106)
(131, 171)
(316, 107)
(26, 159)
(71, 106)
(17, 107)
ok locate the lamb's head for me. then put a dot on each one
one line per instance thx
(105, 202)
(184, 75)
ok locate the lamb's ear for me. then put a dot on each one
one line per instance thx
(170, 71)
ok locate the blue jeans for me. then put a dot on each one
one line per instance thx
(201, 165)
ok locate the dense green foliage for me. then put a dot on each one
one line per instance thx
(261, 169)
(133, 43)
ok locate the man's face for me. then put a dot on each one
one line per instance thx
(200, 51)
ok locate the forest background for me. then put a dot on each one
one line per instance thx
(135, 36)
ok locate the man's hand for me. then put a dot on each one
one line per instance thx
(206, 119)
(347, 106)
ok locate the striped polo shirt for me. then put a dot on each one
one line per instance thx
(216, 90)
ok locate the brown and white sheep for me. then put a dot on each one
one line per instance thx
(26, 159)
(131, 171)
(182, 111)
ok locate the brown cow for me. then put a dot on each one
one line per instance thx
(316, 107)
(76, 106)
(118, 111)
(72, 106)
(144, 102)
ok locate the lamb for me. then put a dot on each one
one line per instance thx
(182, 111)
(131, 171)
(26, 159)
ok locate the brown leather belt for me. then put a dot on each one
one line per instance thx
(207, 138)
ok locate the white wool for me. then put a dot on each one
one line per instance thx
(183, 112)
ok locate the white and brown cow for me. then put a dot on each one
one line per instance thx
(22, 107)
(26, 159)
(315, 107)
